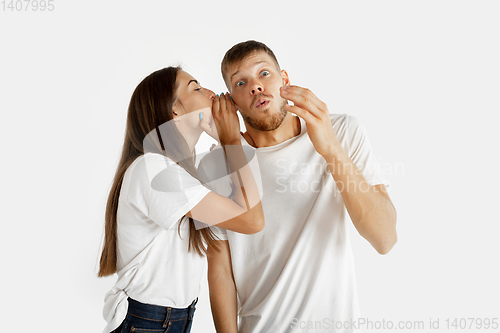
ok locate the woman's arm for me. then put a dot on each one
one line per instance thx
(244, 212)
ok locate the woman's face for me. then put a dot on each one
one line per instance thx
(191, 98)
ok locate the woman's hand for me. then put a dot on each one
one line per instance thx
(225, 126)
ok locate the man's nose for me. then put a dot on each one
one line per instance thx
(256, 90)
(256, 87)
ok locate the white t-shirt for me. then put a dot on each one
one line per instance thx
(154, 265)
(297, 275)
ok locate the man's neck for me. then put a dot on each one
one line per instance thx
(289, 128)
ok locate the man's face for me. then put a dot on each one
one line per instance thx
(255, 84)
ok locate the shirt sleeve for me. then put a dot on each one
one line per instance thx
(171, 191)
(359, 150)
(219, 232)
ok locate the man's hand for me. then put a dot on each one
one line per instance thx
(317, 118)
(371, 211)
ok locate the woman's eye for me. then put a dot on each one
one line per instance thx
(197, 89)
(264, 73)
(239, 84)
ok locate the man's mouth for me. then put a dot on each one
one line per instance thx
(261, 102)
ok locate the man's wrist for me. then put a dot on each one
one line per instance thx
(334, 153)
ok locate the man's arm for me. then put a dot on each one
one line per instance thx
(223, 298)
(370, 208)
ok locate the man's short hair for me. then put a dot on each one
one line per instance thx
(241, 50)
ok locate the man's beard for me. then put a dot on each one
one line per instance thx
(269, 123)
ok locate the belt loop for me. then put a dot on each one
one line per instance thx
(191, 312)
(167, 317)
(192, 308)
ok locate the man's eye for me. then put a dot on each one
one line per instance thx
(264, 73)
(240, 83)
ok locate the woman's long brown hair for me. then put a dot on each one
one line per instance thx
(150, 107)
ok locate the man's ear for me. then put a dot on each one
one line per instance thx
(228, 85)
(284, 76)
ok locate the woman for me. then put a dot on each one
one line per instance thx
(151, 239)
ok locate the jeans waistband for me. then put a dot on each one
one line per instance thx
(156, 312)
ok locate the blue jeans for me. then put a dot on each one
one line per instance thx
(146, 318)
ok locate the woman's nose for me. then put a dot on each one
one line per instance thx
(211, 94)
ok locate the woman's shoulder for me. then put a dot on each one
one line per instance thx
(158, 172)
(149, 165)
(142, 170)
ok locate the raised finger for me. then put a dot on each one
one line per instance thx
(304, 98)
(215, 106)
(302, 113)
(224, 102)
(231, 103)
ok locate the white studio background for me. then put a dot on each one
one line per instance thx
(423, 77)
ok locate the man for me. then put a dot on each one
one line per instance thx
(297, 274)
